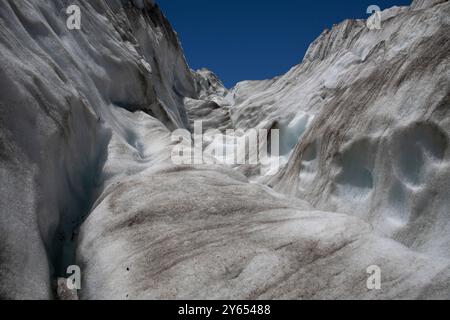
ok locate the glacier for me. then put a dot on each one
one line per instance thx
(87, 177)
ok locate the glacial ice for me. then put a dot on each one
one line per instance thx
(87, 178)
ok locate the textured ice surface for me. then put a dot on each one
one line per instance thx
(86, 175)
(205, 232)
(381, 127)
(63, 100)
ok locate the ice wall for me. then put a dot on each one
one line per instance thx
(60, 91)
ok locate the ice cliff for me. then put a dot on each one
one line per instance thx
(87, 178)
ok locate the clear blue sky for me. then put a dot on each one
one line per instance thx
(256, 39)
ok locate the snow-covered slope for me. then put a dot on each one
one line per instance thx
(85, 146)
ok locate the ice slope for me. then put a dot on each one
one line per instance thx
(205, 232)
(63, 98)
(371, 110)
(85, 145)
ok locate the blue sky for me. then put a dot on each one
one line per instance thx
(251, 39)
